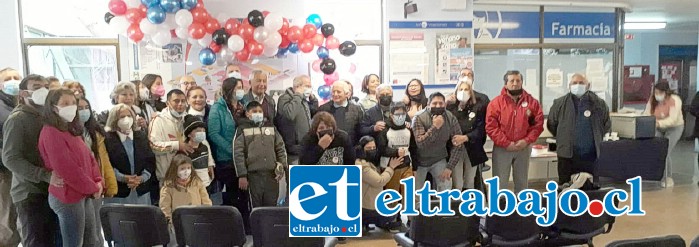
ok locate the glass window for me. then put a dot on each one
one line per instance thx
(491, 65)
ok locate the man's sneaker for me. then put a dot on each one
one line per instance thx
(667, 182)
(578, 180)
(485, 168)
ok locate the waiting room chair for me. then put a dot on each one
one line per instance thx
(457, 230)
(695, 242)
(569, 230)
(270, 228)
(134, 225)
(511, 230)
(208, 226)
(664, 241)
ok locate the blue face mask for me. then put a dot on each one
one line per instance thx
(84, 115)
(11, 87)
(399, 120)
(578, 89)
(239, 94)
(257, 117)
(199, 137)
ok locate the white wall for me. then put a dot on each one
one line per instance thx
(11, 53)
(643, 49)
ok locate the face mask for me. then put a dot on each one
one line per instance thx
(199, 137)
(578, 89)
(463, 96)
(436, 111)
(11, 87)
(176, 114)
(125, 124)
(159, 91)
(660, 98)
(184, 174)
(415, 98)
(516, 92)
(67, 112)
(235, 74)
(399, 120)
(144, 93)
(371, 154)
(84, 115)
(307, 92)
(325, 132)
(257, 117)
(239, 94)
(39, 96)
(385, 100)
(466, 79)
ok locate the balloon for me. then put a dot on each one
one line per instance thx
(171, 6)
(197, 30)
(143, 9)
(294, 48)
(205, 41)
(243, 55)
(212, 25)
(200, 15)
(189, 4)
(265, 13)
(285, 42)
(162, 38)
(132, 3)
(226, 54)
(324, 91)
(207, 56)
(261, 33)
(147, 27)
(314, 19)
(236, 43)
(193, 42)
(231, 26)
(134, 33)
(328, 66)
(183, 18)
(108, 17)
(255, 48)
(156, 15)
(353, 68)
(348, 48)
(117, 7)
(170, 22)
(274, 22)
(332, 43)
(306, 46)
(215, 47)
(246, 31)
(220, 37)
(119, 24)
(309, 31)
(282, 52)
(295, 34)
(181, 32)
(284, 30)
(316, 65)
(274, 40)
(150, 3)
(331, 78)
(255, 18)
(318, 39)
(327, 29)
(270, 51)
(322, 52)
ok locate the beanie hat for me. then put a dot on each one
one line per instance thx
(192, 122)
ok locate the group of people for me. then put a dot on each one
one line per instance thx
(173, 149)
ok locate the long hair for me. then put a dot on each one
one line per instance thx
(662, 86)
(423, 96)
(472, 99)
(227, 88)
(113, 118)
(93, 128)
(51, 118)
(171, 174)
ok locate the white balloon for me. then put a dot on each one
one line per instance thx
(274, 22)
(274, 40)
(162, 38)
(193, 42)
(132, 3)
(206, 41)
(261, 33)
(182, 33)
(270, 51)
(227, 55)
(170, 21)
(183, 18)
(119, 24)
(147, 27)
(236, 43)
(222, 18)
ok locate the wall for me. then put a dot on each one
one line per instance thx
(11, 55)
(643, 49)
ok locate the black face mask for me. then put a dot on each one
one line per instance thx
(516, 92)
(385, 100)
(325, 132)
(415, 98)
(436, 111)
(371, 154)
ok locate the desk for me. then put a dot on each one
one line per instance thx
(626, 159)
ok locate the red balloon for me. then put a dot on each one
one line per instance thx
(117, 7)
(306, 46)
(309, 30)
(284, 30)
(255, 48)
(265, 13)
(243, 55)
(143, 9)
(200, 15)
(332, 43)
(197, 30)
(134, 16)
(200, 4)
(246, 31)
(134, 33)
(231, 26)
(173, 34)
(318, 39)
(212, 25)
(215, 47)
(295, 34)
(285, 42)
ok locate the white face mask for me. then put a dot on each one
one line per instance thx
(235, 74)
(660, 98)
(199, 137)
(184, 174)
(125, 124)
(39, 96)
(67, 112)
(463, 96)
(307, 92)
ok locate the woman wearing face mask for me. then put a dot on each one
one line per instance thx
(196, 99)
(73, 202)
(374, 179)
(667, 109)
(325, 144)
(470, 112)
(125, 93)
(369, 84)
(131, 156)
(181, 187)
(152, 87)
(415, 98)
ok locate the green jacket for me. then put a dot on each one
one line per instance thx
(257, 148)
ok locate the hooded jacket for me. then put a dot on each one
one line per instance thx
(257, 148)
(165, 134)
(508, 121)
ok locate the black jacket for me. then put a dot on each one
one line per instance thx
(144, 159)
(353, 117)
(293, 120)
(472, 122)
(371, 116)
(561, 122)
(341, 146)
(385, 151)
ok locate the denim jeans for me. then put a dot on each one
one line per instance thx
(77, 220)
(436, 170)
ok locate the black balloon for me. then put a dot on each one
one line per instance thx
(255, 18)
(108, 17)
(328, 66)
(347, 48)
(220, 36)
(327, 29)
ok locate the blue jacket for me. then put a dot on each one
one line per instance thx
(221, 131)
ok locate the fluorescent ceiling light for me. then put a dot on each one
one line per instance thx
(644, 25)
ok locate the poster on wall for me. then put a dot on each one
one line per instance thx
(453, 54)
(672, 73)
(410, 60)
(172, 53)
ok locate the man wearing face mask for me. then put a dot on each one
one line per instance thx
(260, 157)
(9, 235)
(166, 132)
(578, 121)
(294, 114)
(30, 178)
(513, 121)
(375, 118)
(258, 92)
(233, 71)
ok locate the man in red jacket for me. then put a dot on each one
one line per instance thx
(514, 121)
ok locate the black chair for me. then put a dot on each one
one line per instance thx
(511, 230)
(569, 230)
(134, 225)
(665, 241)
(210, 226)
(457, 230)
(695, 242)
(270, 228)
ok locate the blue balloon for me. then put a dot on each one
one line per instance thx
(150, 3)
(156, 15)
(324, 91)
(322, 52)
(282, 52)
(315, 20)
(189, 4)
(207, 56)
(171, 6)
(294, 48)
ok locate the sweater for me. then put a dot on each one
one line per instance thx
(674, 117)
(165, 134)
(433, 142)
(373, 115)
(347, 118)
(339, 152)
(78, 168)
(393, 137)
(106, 168)
(269, 107)
(174, 195)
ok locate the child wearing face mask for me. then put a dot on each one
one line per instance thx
(195, 137)
(181, 187)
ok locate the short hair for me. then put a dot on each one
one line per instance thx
(182, 79)
(5, 70)
(298, 81)
(195, 88)
(32, 77)
(382, 87)
(343, 84)
(322, 117)
(52, 79)
(175, 92)
(171, 174)
(255, 73)
(473, 73)
(511, 72)
(70, 83)
(120, 88)
(365, 82)
(149, 79)
(435, 95)
(232, 64)
(252, 104)
(581, 76)
(113, 118)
